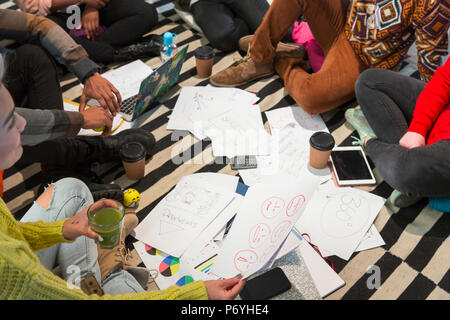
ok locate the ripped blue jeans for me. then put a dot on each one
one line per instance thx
(78, 259)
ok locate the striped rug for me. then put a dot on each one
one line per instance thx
(414, 263)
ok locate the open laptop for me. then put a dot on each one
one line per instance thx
(153, 87)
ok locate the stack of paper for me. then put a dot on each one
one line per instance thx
(228, 116)
(339, 221)
(183, 256)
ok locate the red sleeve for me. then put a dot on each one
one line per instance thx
(433, 99)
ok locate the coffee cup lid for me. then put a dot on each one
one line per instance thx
(132, 152)
(322, 141)
(204, 53)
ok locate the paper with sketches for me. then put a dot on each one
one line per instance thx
(263, 222)
(196, 105)
(118, 124)
(371, 240)
(127, 79)
(228, 116)
(289, 154)
(337, 219)
(169, 270)
(182, 214)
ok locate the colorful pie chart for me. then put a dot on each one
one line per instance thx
(152, 251)
(184, 280)
(169, 266)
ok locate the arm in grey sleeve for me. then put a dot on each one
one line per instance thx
(45, 125)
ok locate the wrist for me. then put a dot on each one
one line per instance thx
(90, 74)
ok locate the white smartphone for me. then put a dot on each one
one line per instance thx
(351, 167)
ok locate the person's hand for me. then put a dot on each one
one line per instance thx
(90, 22)
(97, 4)
(226, 289)
(96, 117)
(103, 91)
(77, 226)
(412, 140)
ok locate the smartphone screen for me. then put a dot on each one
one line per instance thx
(350, 165)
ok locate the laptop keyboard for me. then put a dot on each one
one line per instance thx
(127, 106)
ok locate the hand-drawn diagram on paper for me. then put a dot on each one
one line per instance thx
(182, 215)
(263, 221)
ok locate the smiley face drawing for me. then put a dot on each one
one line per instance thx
(295, 205)
(244, 259)
(272, 207)
(259, 233)
(344, 215)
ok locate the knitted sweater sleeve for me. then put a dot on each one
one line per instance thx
(41, 235)
(23, 278)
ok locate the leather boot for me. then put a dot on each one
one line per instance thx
(111, 260)
(243, 72)
(149, 48)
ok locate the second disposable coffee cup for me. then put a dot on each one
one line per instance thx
(133, 160)
(321, 145)
(204, 59)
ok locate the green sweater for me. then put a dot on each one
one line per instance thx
(23, 277)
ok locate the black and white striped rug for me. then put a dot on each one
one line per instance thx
(415, 261)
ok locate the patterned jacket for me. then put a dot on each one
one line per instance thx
(382, 31)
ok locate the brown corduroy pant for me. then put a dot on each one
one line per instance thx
(334, 83)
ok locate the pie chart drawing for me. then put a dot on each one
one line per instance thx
(169, 266)
(184, 280)
(152, 251)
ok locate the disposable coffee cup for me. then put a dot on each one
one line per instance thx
(133, 160)
(204, 58)
(321, 144)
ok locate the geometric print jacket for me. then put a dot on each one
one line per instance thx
(381, 32)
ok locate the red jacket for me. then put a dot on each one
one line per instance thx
(432, 113)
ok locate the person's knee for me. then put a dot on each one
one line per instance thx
(149, 15)
(46, 197)
(34, 55)
(73, 188)
(405, 179)
(367, 79)
(226, 40)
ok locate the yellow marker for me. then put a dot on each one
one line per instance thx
(101, 129)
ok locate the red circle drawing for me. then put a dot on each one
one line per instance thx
(258, 235)
(272, 207)
(294, 205)
(281, 230)
(244, 259)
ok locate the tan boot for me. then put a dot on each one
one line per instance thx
(245, 42)
(245, 71)
(114, 259)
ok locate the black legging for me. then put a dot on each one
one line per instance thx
(126, 22)
(224, 22)
(388, 99)
(32, 79)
